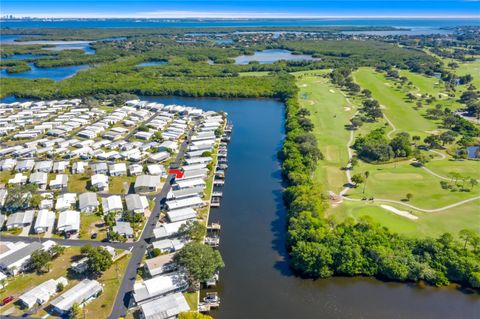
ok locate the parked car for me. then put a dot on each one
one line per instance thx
(7, 300)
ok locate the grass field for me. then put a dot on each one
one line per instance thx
(395, 180)
(92, 223)
(120, 184)
(77, 183)
(472, 68)
(26, 281)
(402, 114)
(330, 111)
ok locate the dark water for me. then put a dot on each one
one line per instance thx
(271, 56)
(22, 57)
(54, 73)
(152, 63)
(473, 151)
(208, 23)
(257, 282)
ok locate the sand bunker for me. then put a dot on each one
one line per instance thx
(399, 212)
(332, 91)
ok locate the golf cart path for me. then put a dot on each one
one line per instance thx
(417, 208)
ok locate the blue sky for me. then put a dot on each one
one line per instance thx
(241, 8)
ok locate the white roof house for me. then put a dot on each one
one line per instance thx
(165, 307)
(7, 164)
(39, 178)
(147, 183)
(189, 202)
(168, 145)
(87, 202)
(69, 221)
(135, 169)
(159, 157)
(14, 260)
(79, 167)
(118, 169)
(20, 219)
(65, 201)
(189, 183)
(41, 293)
(112, 203)
(60, 181)
(168, 229)
(19, 178)
(83, 291)
(100, 181)
(45, 220)
(169, 245)
(159, 286)
(136, 203)
(177, 215)
(156, 169)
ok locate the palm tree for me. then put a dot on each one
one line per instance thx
(366, 174)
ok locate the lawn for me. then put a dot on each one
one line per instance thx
(428, 224)
(92, 223)
(330, 111)
(259, 73)
(402, 114)
(192, 299)
(26, 281)
(77, 183)
(472, 68)
(120, 184)
(5, 176)
(102, 306)
(394, 180)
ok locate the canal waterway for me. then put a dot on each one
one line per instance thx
(257, 282)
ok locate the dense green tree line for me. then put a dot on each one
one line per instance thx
(320, 247)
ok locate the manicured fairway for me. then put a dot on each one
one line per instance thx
(472, 68)
(329, 113)
(428, 224)
(394, 181)
(402, 114)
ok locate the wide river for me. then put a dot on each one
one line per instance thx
(256, 282)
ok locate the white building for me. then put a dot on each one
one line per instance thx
(44, 222)
(69, 221)
(41, 293)
(112, 203)
(80, 293)
(159, 286)
(167, 307)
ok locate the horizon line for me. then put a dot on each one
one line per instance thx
(229, 15)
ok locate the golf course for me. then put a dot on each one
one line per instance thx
(404, 197)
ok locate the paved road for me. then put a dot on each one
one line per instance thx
(124, 294)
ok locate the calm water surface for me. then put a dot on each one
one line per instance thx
(152, 63)
(271, 56)
(54, 73)
(212, 23)
(257, 282)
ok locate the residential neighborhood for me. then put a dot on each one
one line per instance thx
(129, 182)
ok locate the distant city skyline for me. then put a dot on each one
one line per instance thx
(242, 9)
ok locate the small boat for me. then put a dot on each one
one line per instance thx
(211, 298)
